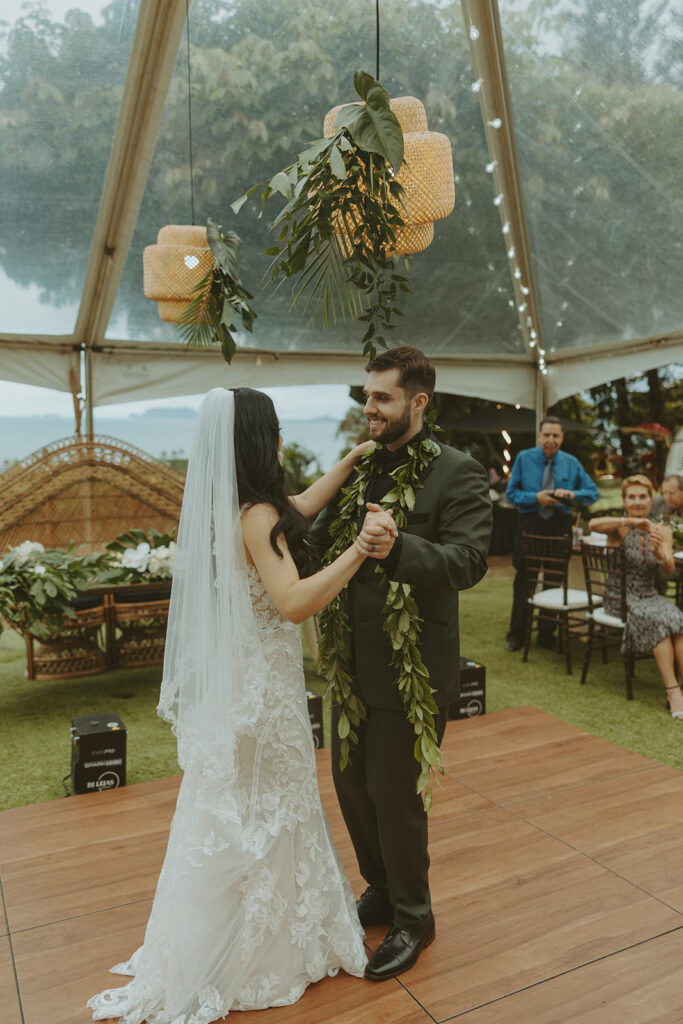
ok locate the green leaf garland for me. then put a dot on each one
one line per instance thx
(402, 621)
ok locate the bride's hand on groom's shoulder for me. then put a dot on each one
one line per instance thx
(360, 450)
(378, 534)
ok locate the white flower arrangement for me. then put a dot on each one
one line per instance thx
(23, 553)
(136, 557)
(38, 586)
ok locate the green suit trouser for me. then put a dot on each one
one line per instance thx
(384, 815)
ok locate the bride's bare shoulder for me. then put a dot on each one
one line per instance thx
(257, 521)
(259, 514)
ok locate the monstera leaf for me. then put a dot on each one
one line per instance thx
(373, 126)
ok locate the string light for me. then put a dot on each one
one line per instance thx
(497, 123)
(506, 436)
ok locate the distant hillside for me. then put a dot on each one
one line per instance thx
(165, 433)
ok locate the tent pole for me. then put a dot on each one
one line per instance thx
(483, 24)
(89, 427)
(541, 397)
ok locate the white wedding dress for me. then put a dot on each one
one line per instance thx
(252, 904)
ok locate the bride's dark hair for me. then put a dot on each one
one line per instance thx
(261, 478)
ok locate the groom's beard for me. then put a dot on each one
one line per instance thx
(395, 429)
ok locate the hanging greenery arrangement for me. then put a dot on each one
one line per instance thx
(218, 298)
(337, 231)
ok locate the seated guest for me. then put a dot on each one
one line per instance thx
(670, 501)
(653, 623)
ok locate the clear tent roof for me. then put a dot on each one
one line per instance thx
(563, 253)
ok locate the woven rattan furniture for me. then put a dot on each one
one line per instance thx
(139, 633)
(546, 562)
(79, 650)
(86, 491)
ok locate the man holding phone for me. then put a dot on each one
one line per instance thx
(543, 482)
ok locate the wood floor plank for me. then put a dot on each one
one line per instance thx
(101, 850)
(631, 825)
(10, 1012)
(513, 907)
(451, 799)
(93, 817)
(513, 757)
(61, 965)
(4, 927)
(641, 985)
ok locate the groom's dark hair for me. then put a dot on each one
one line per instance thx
(416, 372)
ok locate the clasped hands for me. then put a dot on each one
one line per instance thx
(379, 532)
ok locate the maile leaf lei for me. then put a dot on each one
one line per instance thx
(401, 617)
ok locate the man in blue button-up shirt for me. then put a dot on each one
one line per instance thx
(543, 483)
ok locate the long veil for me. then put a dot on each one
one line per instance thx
(211, 641)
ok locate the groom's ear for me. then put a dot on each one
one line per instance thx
(420, 401)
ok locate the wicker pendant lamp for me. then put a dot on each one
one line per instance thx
(174, 267)
(427, 175)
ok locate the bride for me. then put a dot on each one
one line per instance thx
(252, 904)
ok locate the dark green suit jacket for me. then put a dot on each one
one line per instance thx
(443, 550)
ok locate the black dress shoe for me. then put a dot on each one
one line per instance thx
(400, 949)
(374, 907)
(512, 645)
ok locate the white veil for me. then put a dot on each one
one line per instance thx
(211, 642)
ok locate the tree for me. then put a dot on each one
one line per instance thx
(301, 467)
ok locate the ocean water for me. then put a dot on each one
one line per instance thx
(163, 433)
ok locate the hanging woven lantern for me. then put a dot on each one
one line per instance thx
(174, 267)
(426, 176)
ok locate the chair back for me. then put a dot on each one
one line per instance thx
(546, 560)
(603, 568)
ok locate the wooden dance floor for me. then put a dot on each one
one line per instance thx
(557, 880)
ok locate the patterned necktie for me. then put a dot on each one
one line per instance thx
(547, 484)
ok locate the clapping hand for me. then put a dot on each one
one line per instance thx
(379, 532)
(661, 542)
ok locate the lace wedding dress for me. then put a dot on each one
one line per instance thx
(252, 904)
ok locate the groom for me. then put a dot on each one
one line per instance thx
(441, 550)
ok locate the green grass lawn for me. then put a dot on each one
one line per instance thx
(35, 717)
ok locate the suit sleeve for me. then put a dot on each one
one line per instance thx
(458, 559)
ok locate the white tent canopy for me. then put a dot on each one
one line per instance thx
(558, 270)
